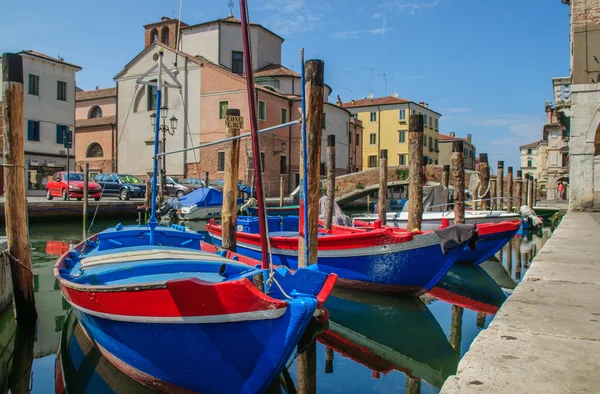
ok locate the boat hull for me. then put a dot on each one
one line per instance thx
(487, 246)
(210, 358)
(199, 213)
(290, 210)
(410, 267)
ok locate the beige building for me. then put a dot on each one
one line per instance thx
(469, 150)
(534, 161)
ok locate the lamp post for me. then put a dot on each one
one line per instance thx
(164, 111)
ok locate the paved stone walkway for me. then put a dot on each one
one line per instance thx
(546, 336)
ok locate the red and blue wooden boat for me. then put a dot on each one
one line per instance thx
(387, 333)
(179, 319)
(381, 260)
(492, 238)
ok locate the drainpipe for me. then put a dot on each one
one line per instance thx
(112, 144)
(289, 158)
(378, 133)
(115, 145)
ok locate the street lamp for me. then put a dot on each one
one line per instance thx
(164, 111)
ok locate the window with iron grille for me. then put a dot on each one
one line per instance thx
(220, 161)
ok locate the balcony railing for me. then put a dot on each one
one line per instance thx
(562, 91)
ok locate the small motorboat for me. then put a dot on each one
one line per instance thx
(491, 238)
(286, 210)
(381, 260)
(201, 204)
(433, 220)
(176, 318)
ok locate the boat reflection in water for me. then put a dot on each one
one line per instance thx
(16, 354)
(81, 368)
(387, 333)
(470, 287)
(8, 328)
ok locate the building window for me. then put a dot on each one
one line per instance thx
(284, 115)
(436, 162)
(237, 62)
(262, 110)
(94, 150)
(401, 136)
(402, 160)
(402, 114)
(323, 169)
(372, 138)
(437, 124)
(357, 140)
(529, 163)
(60, 134)
(262, 162)
(372, 161)
(33, 130)
(153, 35)
(349, 137)
(373, 117)
(425, 142)
(61, 90)
(223, 107)
(220, 161)
(437, 145)
(282, 164)
(165, 35)
(424, 120)
(151, 102)
(34, 85)
(355, 116)
(430, 143)
(565, 159)
(529, 151)
(95, 112)
(430, 122)
(324, 121)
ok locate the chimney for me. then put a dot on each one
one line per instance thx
(469, 138)
(452, 134)
(339, 101)
(422, 103)
(426, 105)
(352, 102)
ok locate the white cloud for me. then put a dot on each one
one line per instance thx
(291, 16)
(346, 35)
(410, 7)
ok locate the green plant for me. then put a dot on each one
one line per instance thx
(323, 190)
(359, 186)
(402, 174)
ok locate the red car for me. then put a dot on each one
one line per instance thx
(57, 186)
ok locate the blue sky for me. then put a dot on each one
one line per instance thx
(486, 65)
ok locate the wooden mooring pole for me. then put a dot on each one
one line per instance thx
(456, 328)
(206, 179)
(518, 258)
(314, 71)
(493, 182)
(416, 177)
(484, 182)
(500, 186)
(413, 385)
(519, 189)
(328, 360)
(530, 201)
(281, 187)
(86, 179)
(535, 192)
(230, 185)
(525, 190)
(446, 181)
(15, 206)
(330, 180)
(382, 201)
(458, 181)
(509, 189)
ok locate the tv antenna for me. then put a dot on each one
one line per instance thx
(371, 71)
(384, 75)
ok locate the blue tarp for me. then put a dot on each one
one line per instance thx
(202, 197)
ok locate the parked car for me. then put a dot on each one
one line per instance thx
(122, 185)
(244, 187)
(193, 181)
(178, 188)
(57, 186)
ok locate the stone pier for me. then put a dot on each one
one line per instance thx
(546, 336)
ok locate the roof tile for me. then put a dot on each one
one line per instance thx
(95, 94)
(95, 122)
(52, 59)
(375, 101)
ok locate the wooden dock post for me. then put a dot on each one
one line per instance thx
(416, 177)
(530, 191)
(480, 320)
(86, 179)
(484, 182)
(458, 181)
(413, 385)
(446, 175)
(314, 71)
(328, 360)
(330, 180)
(493, 182)
(308, 237)
(281, 186)
(500, 186)
(15, 206)
(233, 123)
(519, 189)
(518, 258)
(508, 256)
(382, 201)
(456, 328)
(509, 189)
(535, 192)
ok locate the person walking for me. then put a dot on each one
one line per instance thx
(561, 191)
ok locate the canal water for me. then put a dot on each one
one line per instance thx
(375, 343)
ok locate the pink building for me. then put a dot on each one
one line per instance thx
(212, 77)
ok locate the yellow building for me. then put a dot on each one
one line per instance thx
(385, 121)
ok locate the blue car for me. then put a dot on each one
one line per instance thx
(124, 186)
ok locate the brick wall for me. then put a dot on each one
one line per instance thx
(585, 12)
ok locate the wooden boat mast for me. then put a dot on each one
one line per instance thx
(254, 134)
